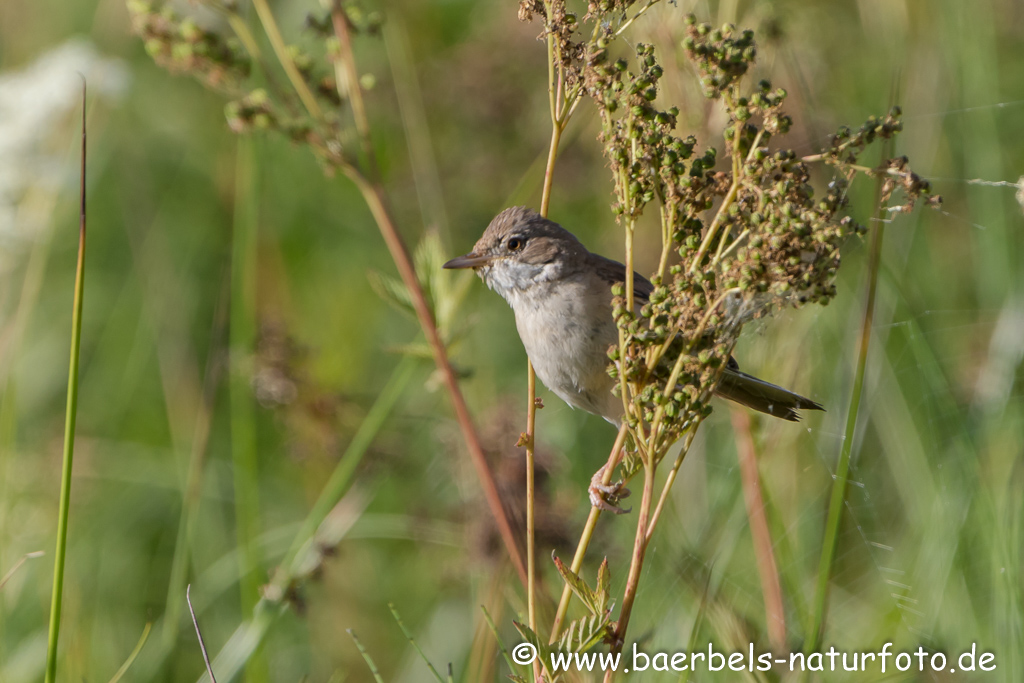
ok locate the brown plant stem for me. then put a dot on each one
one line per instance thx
(588, 533)
(531, 526)
(373, 194)
(353, 91)
(771, 588)
(636, 565)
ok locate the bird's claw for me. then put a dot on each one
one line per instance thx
(605, 496)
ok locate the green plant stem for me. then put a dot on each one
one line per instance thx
(366, 657)
(639, 13)
(531, 394)
(70, 417)
(549, 170)
(835, 508)
(412, 641)
(244, 449)
(715, 223)
(670, 480)
(552, 96)
(287, 63)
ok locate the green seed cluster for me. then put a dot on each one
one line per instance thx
(360, 20)
(722, 55)
(747, 225)
(181, 45)
(690, 363)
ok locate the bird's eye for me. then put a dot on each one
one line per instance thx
(515, 243)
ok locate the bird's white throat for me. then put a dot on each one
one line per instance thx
(519, 282)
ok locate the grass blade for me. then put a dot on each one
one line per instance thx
(70, 415)
(835, 507)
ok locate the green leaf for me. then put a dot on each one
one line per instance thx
(603, 589)
(544, 650)
(585, 633)
(589, 598)
(392, 291)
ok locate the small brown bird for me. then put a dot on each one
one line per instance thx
(561, 296)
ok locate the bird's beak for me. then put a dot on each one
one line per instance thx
(470, 260)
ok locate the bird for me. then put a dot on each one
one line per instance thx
(561, 295)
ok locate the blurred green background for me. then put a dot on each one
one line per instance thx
(930, 551)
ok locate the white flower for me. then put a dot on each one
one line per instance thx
(35, 104)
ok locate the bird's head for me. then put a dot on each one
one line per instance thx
(521, 249)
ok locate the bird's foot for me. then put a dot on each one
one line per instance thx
(606, 496)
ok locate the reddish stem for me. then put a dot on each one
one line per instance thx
(775, 614)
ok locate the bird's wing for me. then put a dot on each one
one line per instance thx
(612, 271)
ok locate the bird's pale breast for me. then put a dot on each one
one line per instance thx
(567, 330)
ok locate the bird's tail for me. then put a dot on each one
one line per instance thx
(763, 396)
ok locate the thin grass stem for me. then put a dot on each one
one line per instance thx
(412, 641)
(134, 653)
(497, 637)
(835, 508)
(17, 565)
(70, 417)
(531, 497)
(366, 657)
(670, 480)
